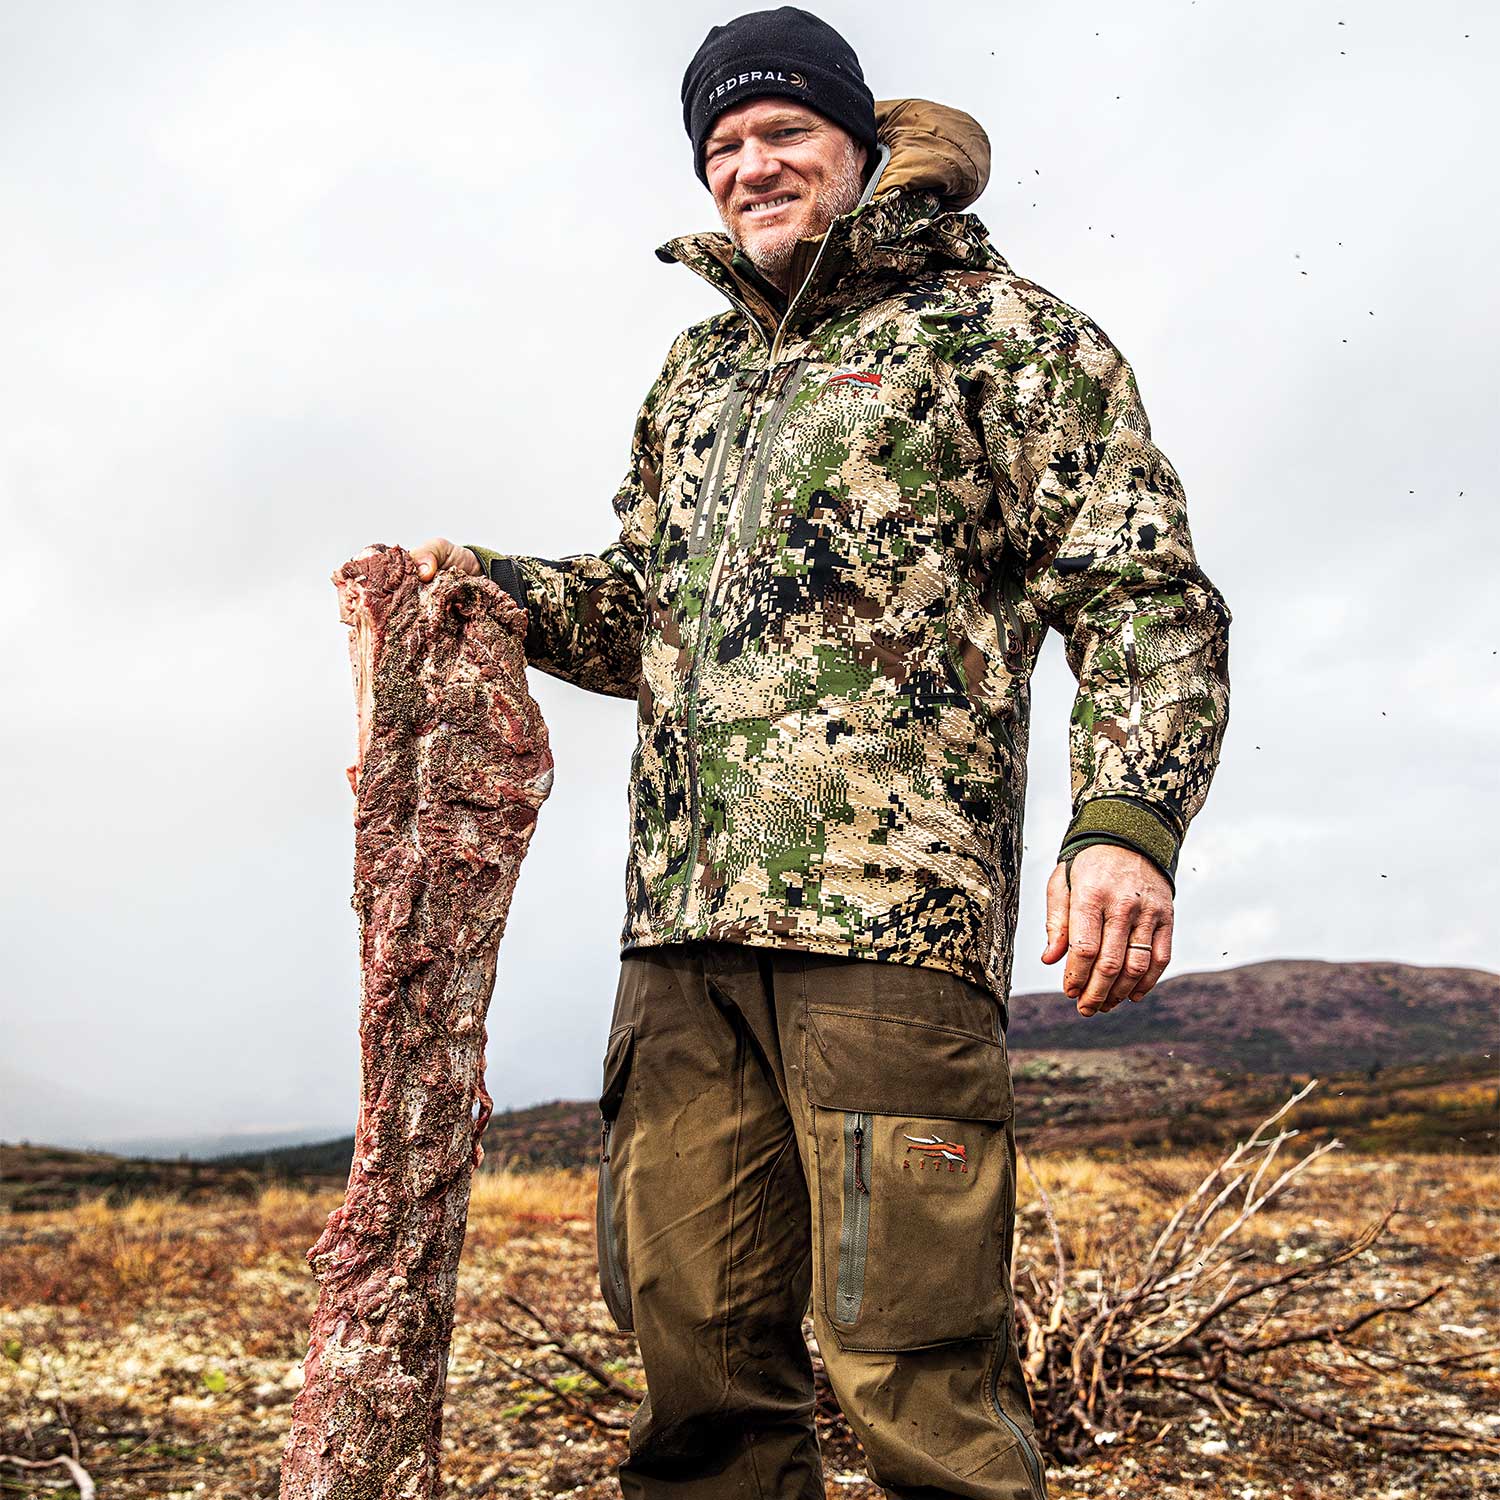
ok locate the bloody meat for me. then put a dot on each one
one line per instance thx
(453, 766)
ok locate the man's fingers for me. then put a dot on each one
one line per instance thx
(1057, 915)
(1110, 963)
(1118, 897)
(431, 556)
(1085, 929)
(1138, 956)
(1161, 956)
(440, 553)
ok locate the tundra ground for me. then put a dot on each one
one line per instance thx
(165, 1337)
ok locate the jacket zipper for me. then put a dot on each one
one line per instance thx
(1013, 647)
(750, 517)
(609, 1247)
(854, 1232)
(705, 614)
(718, 461)
(1028, 1448)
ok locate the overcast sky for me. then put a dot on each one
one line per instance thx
(281, 280)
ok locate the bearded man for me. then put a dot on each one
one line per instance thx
(857, 499)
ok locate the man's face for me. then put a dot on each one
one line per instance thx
(780, 172)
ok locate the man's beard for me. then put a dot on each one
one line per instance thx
(771, 257)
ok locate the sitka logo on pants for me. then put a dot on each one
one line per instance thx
(758, 75)
(935, 1154)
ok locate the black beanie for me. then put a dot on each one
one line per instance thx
(787, 52)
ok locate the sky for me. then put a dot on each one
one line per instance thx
(283, 280)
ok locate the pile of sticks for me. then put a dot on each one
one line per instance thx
(1198, 1319)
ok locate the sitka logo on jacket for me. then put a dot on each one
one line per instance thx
(759, 75)
(934, 1153)
(863, 380)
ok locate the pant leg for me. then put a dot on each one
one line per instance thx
(704, 1239)
(899, 1082)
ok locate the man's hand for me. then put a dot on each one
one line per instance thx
(441, 553)
(1117, 897)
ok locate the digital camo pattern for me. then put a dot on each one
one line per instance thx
(839, 550)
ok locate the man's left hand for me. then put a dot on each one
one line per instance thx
(1116, 897)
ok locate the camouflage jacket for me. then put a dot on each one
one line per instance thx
(843, 534)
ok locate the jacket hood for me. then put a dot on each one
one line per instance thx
(934, 148)
(936, 161)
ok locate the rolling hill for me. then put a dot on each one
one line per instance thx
(1286, 1015)
(1406, 1057)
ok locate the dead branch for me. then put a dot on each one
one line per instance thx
(569, 1399)
(1102, 1346)
(559, 1344)
(82, 1480)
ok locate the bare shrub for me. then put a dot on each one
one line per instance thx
(1198, 1321)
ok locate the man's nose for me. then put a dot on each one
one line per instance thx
(756, 163)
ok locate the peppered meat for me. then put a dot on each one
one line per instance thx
(453, 766)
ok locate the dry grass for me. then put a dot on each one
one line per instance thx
(174, 1332)
(548, 1196)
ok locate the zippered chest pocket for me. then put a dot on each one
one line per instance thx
(720, 462)
(916, 1179)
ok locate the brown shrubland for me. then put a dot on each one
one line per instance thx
(171, 1335)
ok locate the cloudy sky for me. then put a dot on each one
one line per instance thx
(281, 280)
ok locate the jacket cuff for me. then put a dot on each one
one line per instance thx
(1128, 823)
(506, 571)
(502, 570)
(1088, 841)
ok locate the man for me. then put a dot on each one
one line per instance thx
(857, 498)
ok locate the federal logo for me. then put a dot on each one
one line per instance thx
(756, 75)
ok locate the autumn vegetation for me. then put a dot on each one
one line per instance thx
(158, 1341)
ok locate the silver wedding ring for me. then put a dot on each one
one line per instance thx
(1146, 946)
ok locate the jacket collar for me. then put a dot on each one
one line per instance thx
(932, 159)
(891, 237)
(897, 235)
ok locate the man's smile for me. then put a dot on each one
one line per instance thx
(765, 206)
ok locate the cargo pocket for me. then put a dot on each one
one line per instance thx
(915, 1179)
(613, 1282)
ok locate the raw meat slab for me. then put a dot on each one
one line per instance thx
(453, 766)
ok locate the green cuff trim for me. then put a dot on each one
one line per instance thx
(485, 556)
(1131, 825)
(1088, 841)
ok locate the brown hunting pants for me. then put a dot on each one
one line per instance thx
(779, 1126)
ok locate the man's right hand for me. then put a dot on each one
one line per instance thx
(440, 553)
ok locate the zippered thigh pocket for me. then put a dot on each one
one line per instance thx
(915, 1174)
(1000, 1373)
(614, 1280)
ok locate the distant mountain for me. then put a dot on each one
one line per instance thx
(544, 1135)
(1128, 1074)
(41, 1178)
(1407, 1059)
(39, 1108)
(1284, 1016)
(325, 1158)
(34, 1107)
(221, 1147)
